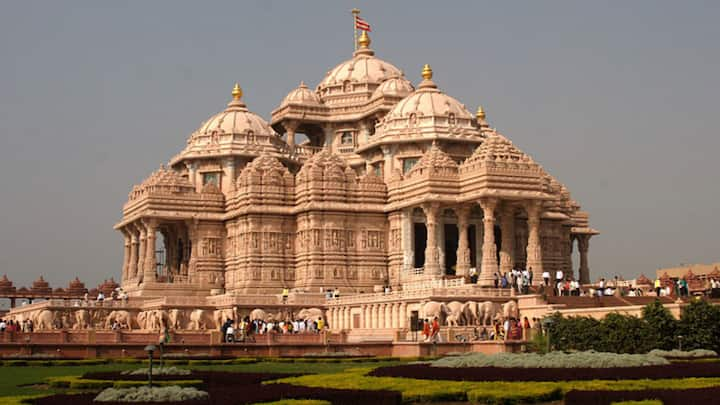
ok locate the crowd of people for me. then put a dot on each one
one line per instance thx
(16, 326)
(246, 328)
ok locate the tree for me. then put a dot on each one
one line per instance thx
(700, 326)
(660, 326)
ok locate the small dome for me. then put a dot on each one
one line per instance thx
(76, 285)
(301, 95)
(163, 181)
(264, 169)
(394, 87)
(236, 119)
(4, 282)
(428, 101)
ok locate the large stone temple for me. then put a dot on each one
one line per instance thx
(364, 182)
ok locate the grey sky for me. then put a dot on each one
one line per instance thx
(616, 100)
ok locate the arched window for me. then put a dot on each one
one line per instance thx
(346, 138)
(413, 120)
(451, 119)
(347, 87)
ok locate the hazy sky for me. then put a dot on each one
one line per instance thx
(618, 101)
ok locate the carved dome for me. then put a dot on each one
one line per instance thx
(324, 165)
(235, 120)
(236, 131)
(497, 148)
(264, 170)
(40, 285)
(394, 87)
(108, 286)
(301, 95)
(361, 73)
(76, 286)
(429, 102)
(5, 284)
(434, 161)
(163, 180)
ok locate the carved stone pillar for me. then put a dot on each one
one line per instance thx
(489, 251)
(534, 250)
(432, 257)
(463, 250)
(149, 270)
(290, 128)
(388, 315)
(230, 166)
(507, 245)
(375, 315)
(403, 315)
(406, 238)
(583, 247)
(142, 250)
(192, 173)
(133, 261)
(126, 255)
(194, 242)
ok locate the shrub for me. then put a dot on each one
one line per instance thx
(661, 326)
(551, 360)
(532, 393)
(79, 383)
(643, 402)
(678, 354)
(158, 371)
(700, 326)
(151, 394)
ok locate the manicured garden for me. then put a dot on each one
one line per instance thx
(379, 381)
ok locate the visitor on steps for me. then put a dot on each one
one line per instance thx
(546, 278)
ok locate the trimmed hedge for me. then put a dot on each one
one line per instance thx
(296, 402)
(417, 390)
(77, 382)
(644, 402)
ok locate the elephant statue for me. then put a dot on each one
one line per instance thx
(82, 319)
(455, 316)
(199, 320)
(510, 310)
(487, 311)
(44, 320)
(310, 313)
(123, 318)
(470, 310)
(258, 314)
(176, 319)
(434, 309)
(222, 315)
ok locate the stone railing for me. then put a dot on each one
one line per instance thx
(465, 292)
(305, 150)
(442, 283)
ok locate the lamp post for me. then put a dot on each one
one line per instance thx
(680, 339)
(150, 349)
(547, 323)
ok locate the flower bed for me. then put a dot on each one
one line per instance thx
(681, 354)
(588, 359)
(428, 372)
(238, 388)
(667, 397)
(172, 393)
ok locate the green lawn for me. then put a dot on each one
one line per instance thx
(13, 376)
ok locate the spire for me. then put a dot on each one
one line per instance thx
(480, 115)
(427, 72)
(364, 40)
(237, 92)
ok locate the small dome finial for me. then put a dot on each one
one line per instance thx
(480, 114)
(427, 72)
(364, 40)
(237, 92)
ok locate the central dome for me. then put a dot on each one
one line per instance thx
(363, 73)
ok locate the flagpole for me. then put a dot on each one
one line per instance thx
(355, 13)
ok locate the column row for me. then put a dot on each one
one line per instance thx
(383, 316)
(139, 262)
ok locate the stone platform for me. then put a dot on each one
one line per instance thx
(112, 344)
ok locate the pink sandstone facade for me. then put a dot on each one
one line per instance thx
(366, 182)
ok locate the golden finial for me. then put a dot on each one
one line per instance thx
(364, 40)
(236, 92)
(427, 72)
(480, 114)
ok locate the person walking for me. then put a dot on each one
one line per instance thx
(435, 331)
(285, 294)
(546, 277)
(658, 287)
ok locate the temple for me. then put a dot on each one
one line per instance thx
(369, 201)
(365, 181)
